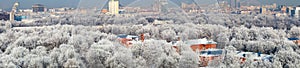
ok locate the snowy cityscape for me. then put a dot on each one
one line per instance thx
(149, 34)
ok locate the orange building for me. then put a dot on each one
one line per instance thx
(205, 48)
(127, 40)
(199, 44)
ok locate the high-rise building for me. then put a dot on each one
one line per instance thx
(231, 3)
(274, 5)
(4, 16)
(38, 8)
(163, 7)
(263, 10)
(238, 3)
(113, 6)
(284, 9)
(160, 5)
(235, 4)
(295, 12)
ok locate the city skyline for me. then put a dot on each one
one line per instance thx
(7, 4)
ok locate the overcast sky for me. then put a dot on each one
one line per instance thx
(7, 4)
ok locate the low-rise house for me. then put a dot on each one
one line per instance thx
(201, 44)
(198, 44)
(295, 40)
(128, 40)
(252, 56)
(206, 49)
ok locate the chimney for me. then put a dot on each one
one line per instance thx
(142, 37)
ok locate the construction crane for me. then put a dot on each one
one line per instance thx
(13, 11)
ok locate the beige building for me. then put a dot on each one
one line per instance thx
(113, 6)
(263, 10)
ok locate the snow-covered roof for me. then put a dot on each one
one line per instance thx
(293, 38)
(30, 28)
(127, 36)
(211, 52)
(200, 41)
(253, 55)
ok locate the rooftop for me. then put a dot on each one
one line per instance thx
(38, 5)
(253, 55)
(211, 52)
(293, 38)
(127, 36)
(200, 41)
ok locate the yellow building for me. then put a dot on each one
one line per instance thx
(113, 6)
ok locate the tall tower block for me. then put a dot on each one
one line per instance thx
(113, 6)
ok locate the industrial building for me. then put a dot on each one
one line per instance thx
(38, 8)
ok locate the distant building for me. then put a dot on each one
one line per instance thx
(104, 11)
(274, 5)
(26, 10)
(189, 7)
(283, 9)
(4, 16)
(38, 8)
(263, 10)
(246, 12)
(160, 6)
(113, 6)
(236, 4)
(295, 12)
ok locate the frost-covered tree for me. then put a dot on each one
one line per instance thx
(122, 58)
(188, 58)
(153, 53)
(294, 32)
(168, 35)
(229, 59)
(98, 53)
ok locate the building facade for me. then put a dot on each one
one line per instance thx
(113, 6)
(295, 12)
(263, 10)
(4, 16)
(38, 8)
(235, 4)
